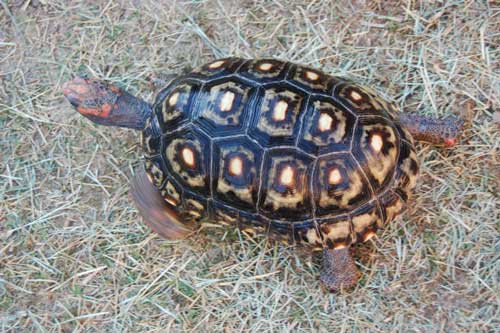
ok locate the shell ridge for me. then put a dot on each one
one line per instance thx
(292, 147)
(211, 169)
(261, 180)
(363, 173)
(254, 103)
(301, 120)
(311, 188)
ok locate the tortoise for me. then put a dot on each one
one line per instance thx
(273, 148)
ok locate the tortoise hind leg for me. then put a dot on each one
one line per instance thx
(444, 131)
(154, 210)
(338, 270)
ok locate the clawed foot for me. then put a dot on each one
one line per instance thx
(338, 270)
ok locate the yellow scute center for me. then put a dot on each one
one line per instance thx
(265, 66)
(286, 177)
(226, 102)
(236, 166)
(188, 156)
(376, 142)
(216, 64)
(312, 76)
(325, 122)
(355, 95)
(280, 109)
(334, 177)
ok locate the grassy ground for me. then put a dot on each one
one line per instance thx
(74, 255)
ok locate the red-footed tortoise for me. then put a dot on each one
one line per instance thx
(270, 147)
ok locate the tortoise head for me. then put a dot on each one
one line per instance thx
(106, 104)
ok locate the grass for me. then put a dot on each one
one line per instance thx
(74, 255)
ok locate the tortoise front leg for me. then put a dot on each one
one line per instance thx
(435, 131)
(338, 270)
(160, 80)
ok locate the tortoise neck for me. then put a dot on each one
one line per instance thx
(131, 112)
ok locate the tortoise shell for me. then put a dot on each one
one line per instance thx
(274, 147)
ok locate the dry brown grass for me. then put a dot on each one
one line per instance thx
(73, 254)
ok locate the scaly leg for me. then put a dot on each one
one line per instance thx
(338, 270)
(435, 131)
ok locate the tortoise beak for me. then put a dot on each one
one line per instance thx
(76, 91)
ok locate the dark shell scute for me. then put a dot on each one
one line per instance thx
(363, 100)
(285, 190)
(194, 207)
(376, 148)
(327, 128)
(276, 120)
(225, 106)
(236, 176)
(187, 157)
(217, 69)
(264, 70)
(312, 79)
(339, 185)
